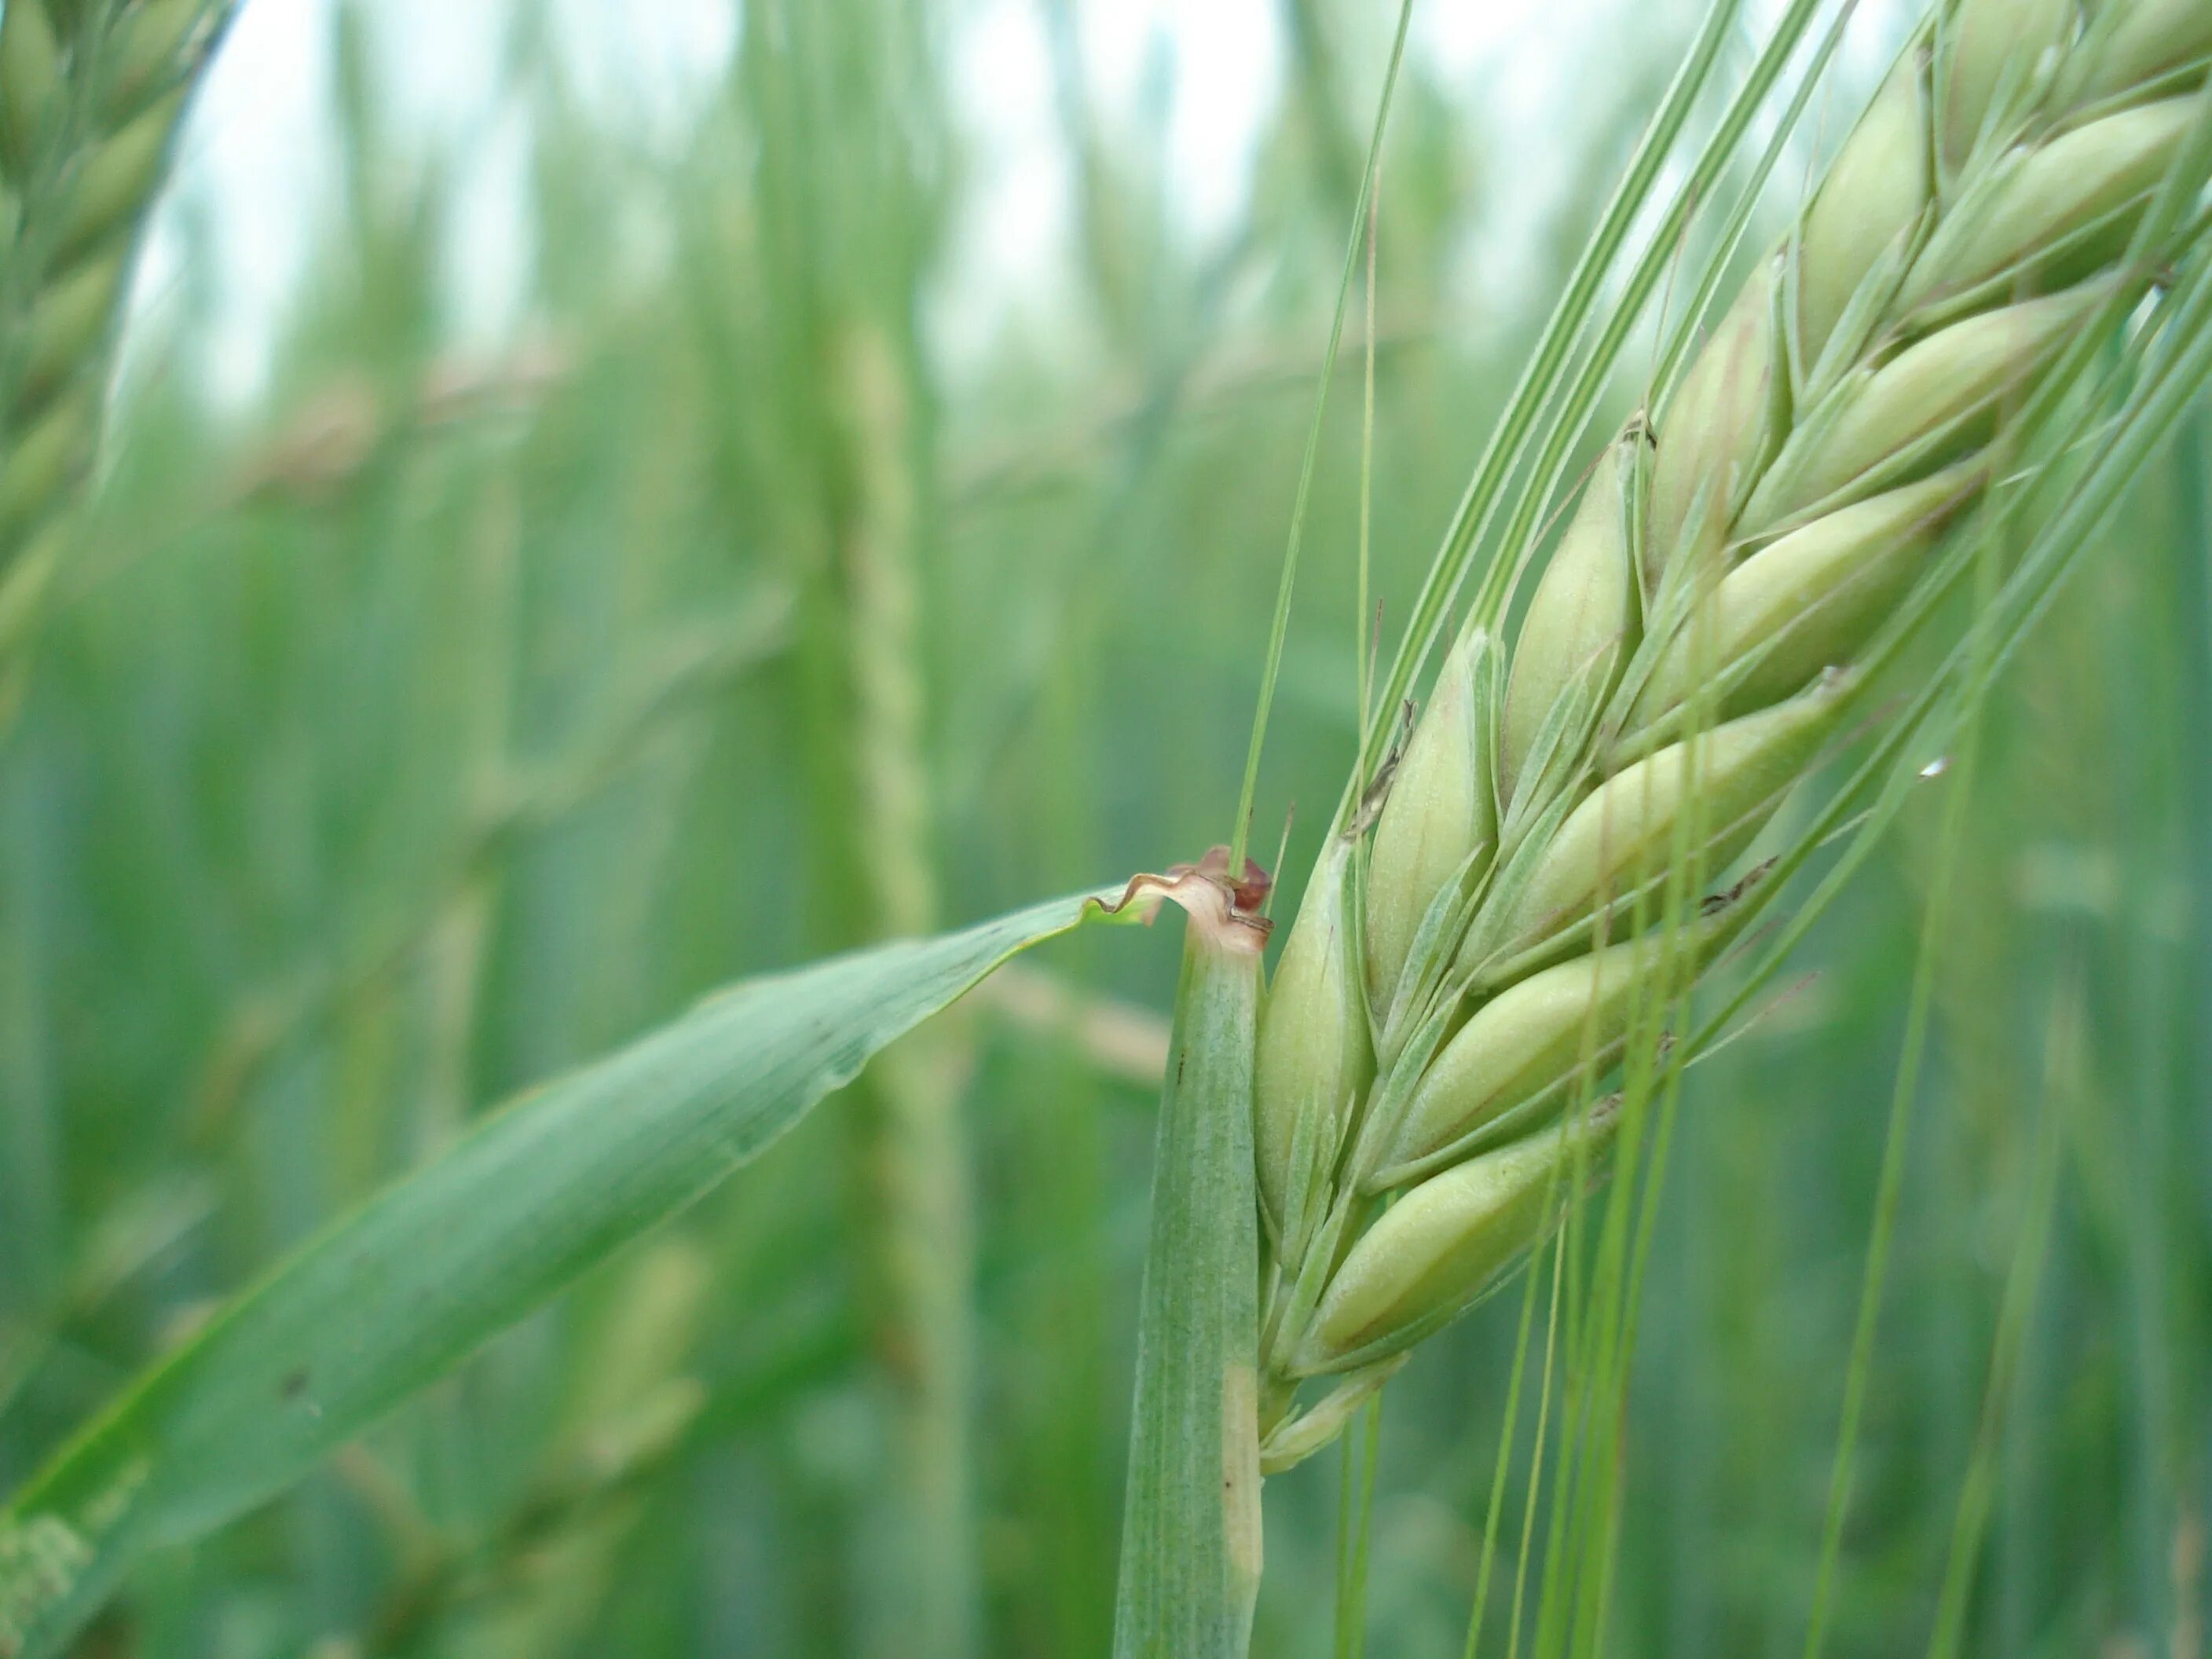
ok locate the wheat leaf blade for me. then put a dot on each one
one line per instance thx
(444, 1258)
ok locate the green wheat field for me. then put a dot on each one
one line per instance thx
(781, 572)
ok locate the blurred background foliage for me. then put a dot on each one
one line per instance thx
(455, 703)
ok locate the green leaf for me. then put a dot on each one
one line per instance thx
(394, 1294)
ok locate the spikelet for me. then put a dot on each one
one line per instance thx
(2056, 210)
(1937, 400)
(1728, 780)
(2132, 46)
(1432, 1254)
(1582, 611)
(1714, 435)
(1525, 1047)
(31, 85)
(1314, 1059)
(1441, 810)
(90, 98)
(1876, 190)
(1805, 602)
(1998, 53)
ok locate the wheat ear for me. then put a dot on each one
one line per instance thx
(91, 94)
(1695, 643)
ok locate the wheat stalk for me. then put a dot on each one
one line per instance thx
(91, 93)
(910, 1141)
(1740, 559)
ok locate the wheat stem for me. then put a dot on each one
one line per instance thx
(911, 1144)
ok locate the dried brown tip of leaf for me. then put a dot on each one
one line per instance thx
(1228, 908)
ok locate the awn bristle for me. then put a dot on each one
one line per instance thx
(1732, 560)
